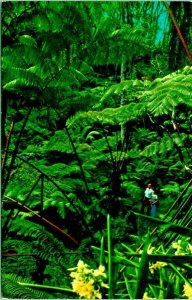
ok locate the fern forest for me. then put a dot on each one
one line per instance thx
(96, 139)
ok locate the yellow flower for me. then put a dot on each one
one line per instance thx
(72, 269)
(104, 285)
(99, 272)
(86, 290)
(81, 265)
(151, 250)
(98, 295)
(101, 268)
(146, 297)
(74, 274)
(86, 282)
(187, 290)
(190, 248)
(177, 246)
(156, 266)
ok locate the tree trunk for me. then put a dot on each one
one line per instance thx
(122, 101)
(182, 12)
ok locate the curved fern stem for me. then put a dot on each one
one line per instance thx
(46, 287)
(178, 199)
(63, 192)
(78, 160)
(15, 152)
(7, 146)
(179, 31)
(44, 220)
(142, 272)
(80, 164)
(101, 260)
(110, 294)
(9, 217)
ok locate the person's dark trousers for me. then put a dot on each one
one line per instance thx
(147, 204)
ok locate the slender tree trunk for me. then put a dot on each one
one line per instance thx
(182, 13)
(122, 100)
(15, 152)
(3, 119)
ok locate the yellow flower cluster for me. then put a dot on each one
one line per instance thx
(182, 247)
(88, 282)
(156, 266)
(146, 297)
(187, 290)
(177, 246)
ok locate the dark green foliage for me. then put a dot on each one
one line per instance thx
(105, 116)
(11, 287)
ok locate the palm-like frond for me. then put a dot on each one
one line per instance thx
(113, 116)
(167, 93)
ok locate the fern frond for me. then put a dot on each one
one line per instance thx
(167, 93)
(47, 247)
(27, 40)
(12, 289)
(171, 187)
(155, 148)
(19, 77)
(112, 116)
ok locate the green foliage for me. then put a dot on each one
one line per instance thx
(108, 117)
(12, 288)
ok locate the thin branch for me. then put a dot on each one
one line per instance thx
(9, 217)
(178, 30)
(78, 159)
(63, 192)
(15, 152)
(43, 219)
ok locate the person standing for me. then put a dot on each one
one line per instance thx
(154, 201)
(147, 199)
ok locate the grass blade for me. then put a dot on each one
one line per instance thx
(46, 288)
(129, 290)
(102, 253)
(142, 272)
(109, 246)
(167, 226)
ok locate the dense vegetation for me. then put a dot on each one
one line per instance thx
(96, 103)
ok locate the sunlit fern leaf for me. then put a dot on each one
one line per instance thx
(23, 78)
(171, 187)
(175, 168)
(120, 87)
(127, 33)
(59, 169)
(113, 116)
(103, 29)
(40, 22)
(79, 74)
(21, 55)
(179, 139)
(168, 92)
(27, 40)
(158, 147)
(91, 135)
(11, 289)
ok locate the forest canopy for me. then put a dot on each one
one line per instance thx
(96, 105)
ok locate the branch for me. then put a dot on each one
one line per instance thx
(179, 31)
(43, 219)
